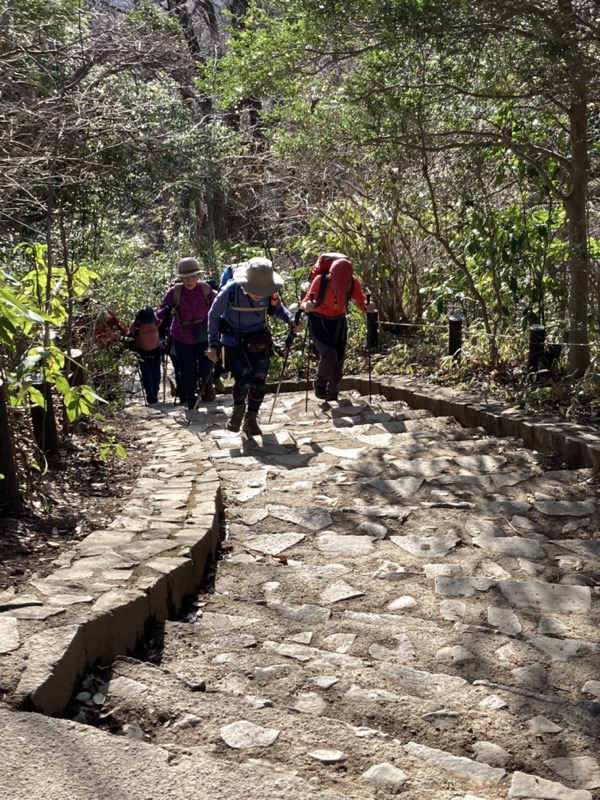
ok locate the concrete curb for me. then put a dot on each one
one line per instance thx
(160, 544)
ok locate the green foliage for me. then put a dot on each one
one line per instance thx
(30, 355)
(111, 449)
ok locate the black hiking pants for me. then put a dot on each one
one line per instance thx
(329, 336)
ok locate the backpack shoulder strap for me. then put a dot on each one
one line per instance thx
(177, 295)
(232, 294)
(323, 284)
(349, 293)
(206, 289)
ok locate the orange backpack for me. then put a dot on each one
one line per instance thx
(145, 330)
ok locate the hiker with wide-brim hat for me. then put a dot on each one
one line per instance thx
(326, 302)
(189, 300)
(238, 333)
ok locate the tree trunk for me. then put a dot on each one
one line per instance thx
(44, 423)
(10, 499)
(576, 211)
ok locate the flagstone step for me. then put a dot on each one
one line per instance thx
(404, 606)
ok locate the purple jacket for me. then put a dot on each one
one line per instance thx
(190, 319)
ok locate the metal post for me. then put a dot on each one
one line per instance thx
(537, 339)
(455, 322)
(373, 330)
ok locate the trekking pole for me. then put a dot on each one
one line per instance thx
(164, 360)
(205, 383)
(369, 346)
(311, 299)
(286, 351)
(139, 369)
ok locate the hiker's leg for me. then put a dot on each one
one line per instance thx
(146, 377)
(256, 394)
(326, 366)
(155, 377)
(186, 363)
(241, 373)
(321, 335)
(204, 367)
(337, 372)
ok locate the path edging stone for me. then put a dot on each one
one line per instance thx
(54, 654)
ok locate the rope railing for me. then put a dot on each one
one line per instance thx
(541, 352)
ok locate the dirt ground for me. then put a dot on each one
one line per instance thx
(77, 495)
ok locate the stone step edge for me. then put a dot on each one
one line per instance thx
(58, 657)
(577, 445)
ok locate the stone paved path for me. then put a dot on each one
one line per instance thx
(405, 606)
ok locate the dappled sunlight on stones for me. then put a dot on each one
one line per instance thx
(339, 591)
(334, 545)
(349, 621)
(546, 597)
(312, 518)
(386, 776)
(583, 771)
(425, 545)
(461, 766)
(532, 787)
(242, 735)
(512, 546)
(504, 619)
(273, 543)
(9, 634)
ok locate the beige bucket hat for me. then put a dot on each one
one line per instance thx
(258, 277)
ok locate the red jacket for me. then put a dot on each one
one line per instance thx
(334, 303)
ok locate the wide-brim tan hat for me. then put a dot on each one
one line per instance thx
(188, 267)
(258, 277)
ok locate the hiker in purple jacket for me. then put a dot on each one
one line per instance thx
(189, 301)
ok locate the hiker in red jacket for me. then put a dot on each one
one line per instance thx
(99, 335)
(326, 303)
(190, 300)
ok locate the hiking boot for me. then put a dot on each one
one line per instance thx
(220, 386)
(251, 424)
(191, 403)
(331, 397)
(237, 415)
(320, 393)
(209, 394)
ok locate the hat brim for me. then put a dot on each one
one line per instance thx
(258, 288)
(187, 274)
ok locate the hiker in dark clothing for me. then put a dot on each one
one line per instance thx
(328, 324)
(168, 350)
(237, 326)
(190, 300)
(146, 339)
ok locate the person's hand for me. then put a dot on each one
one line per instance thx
(370, 308)
(297, 327)
(308, 306)
(212, 355)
